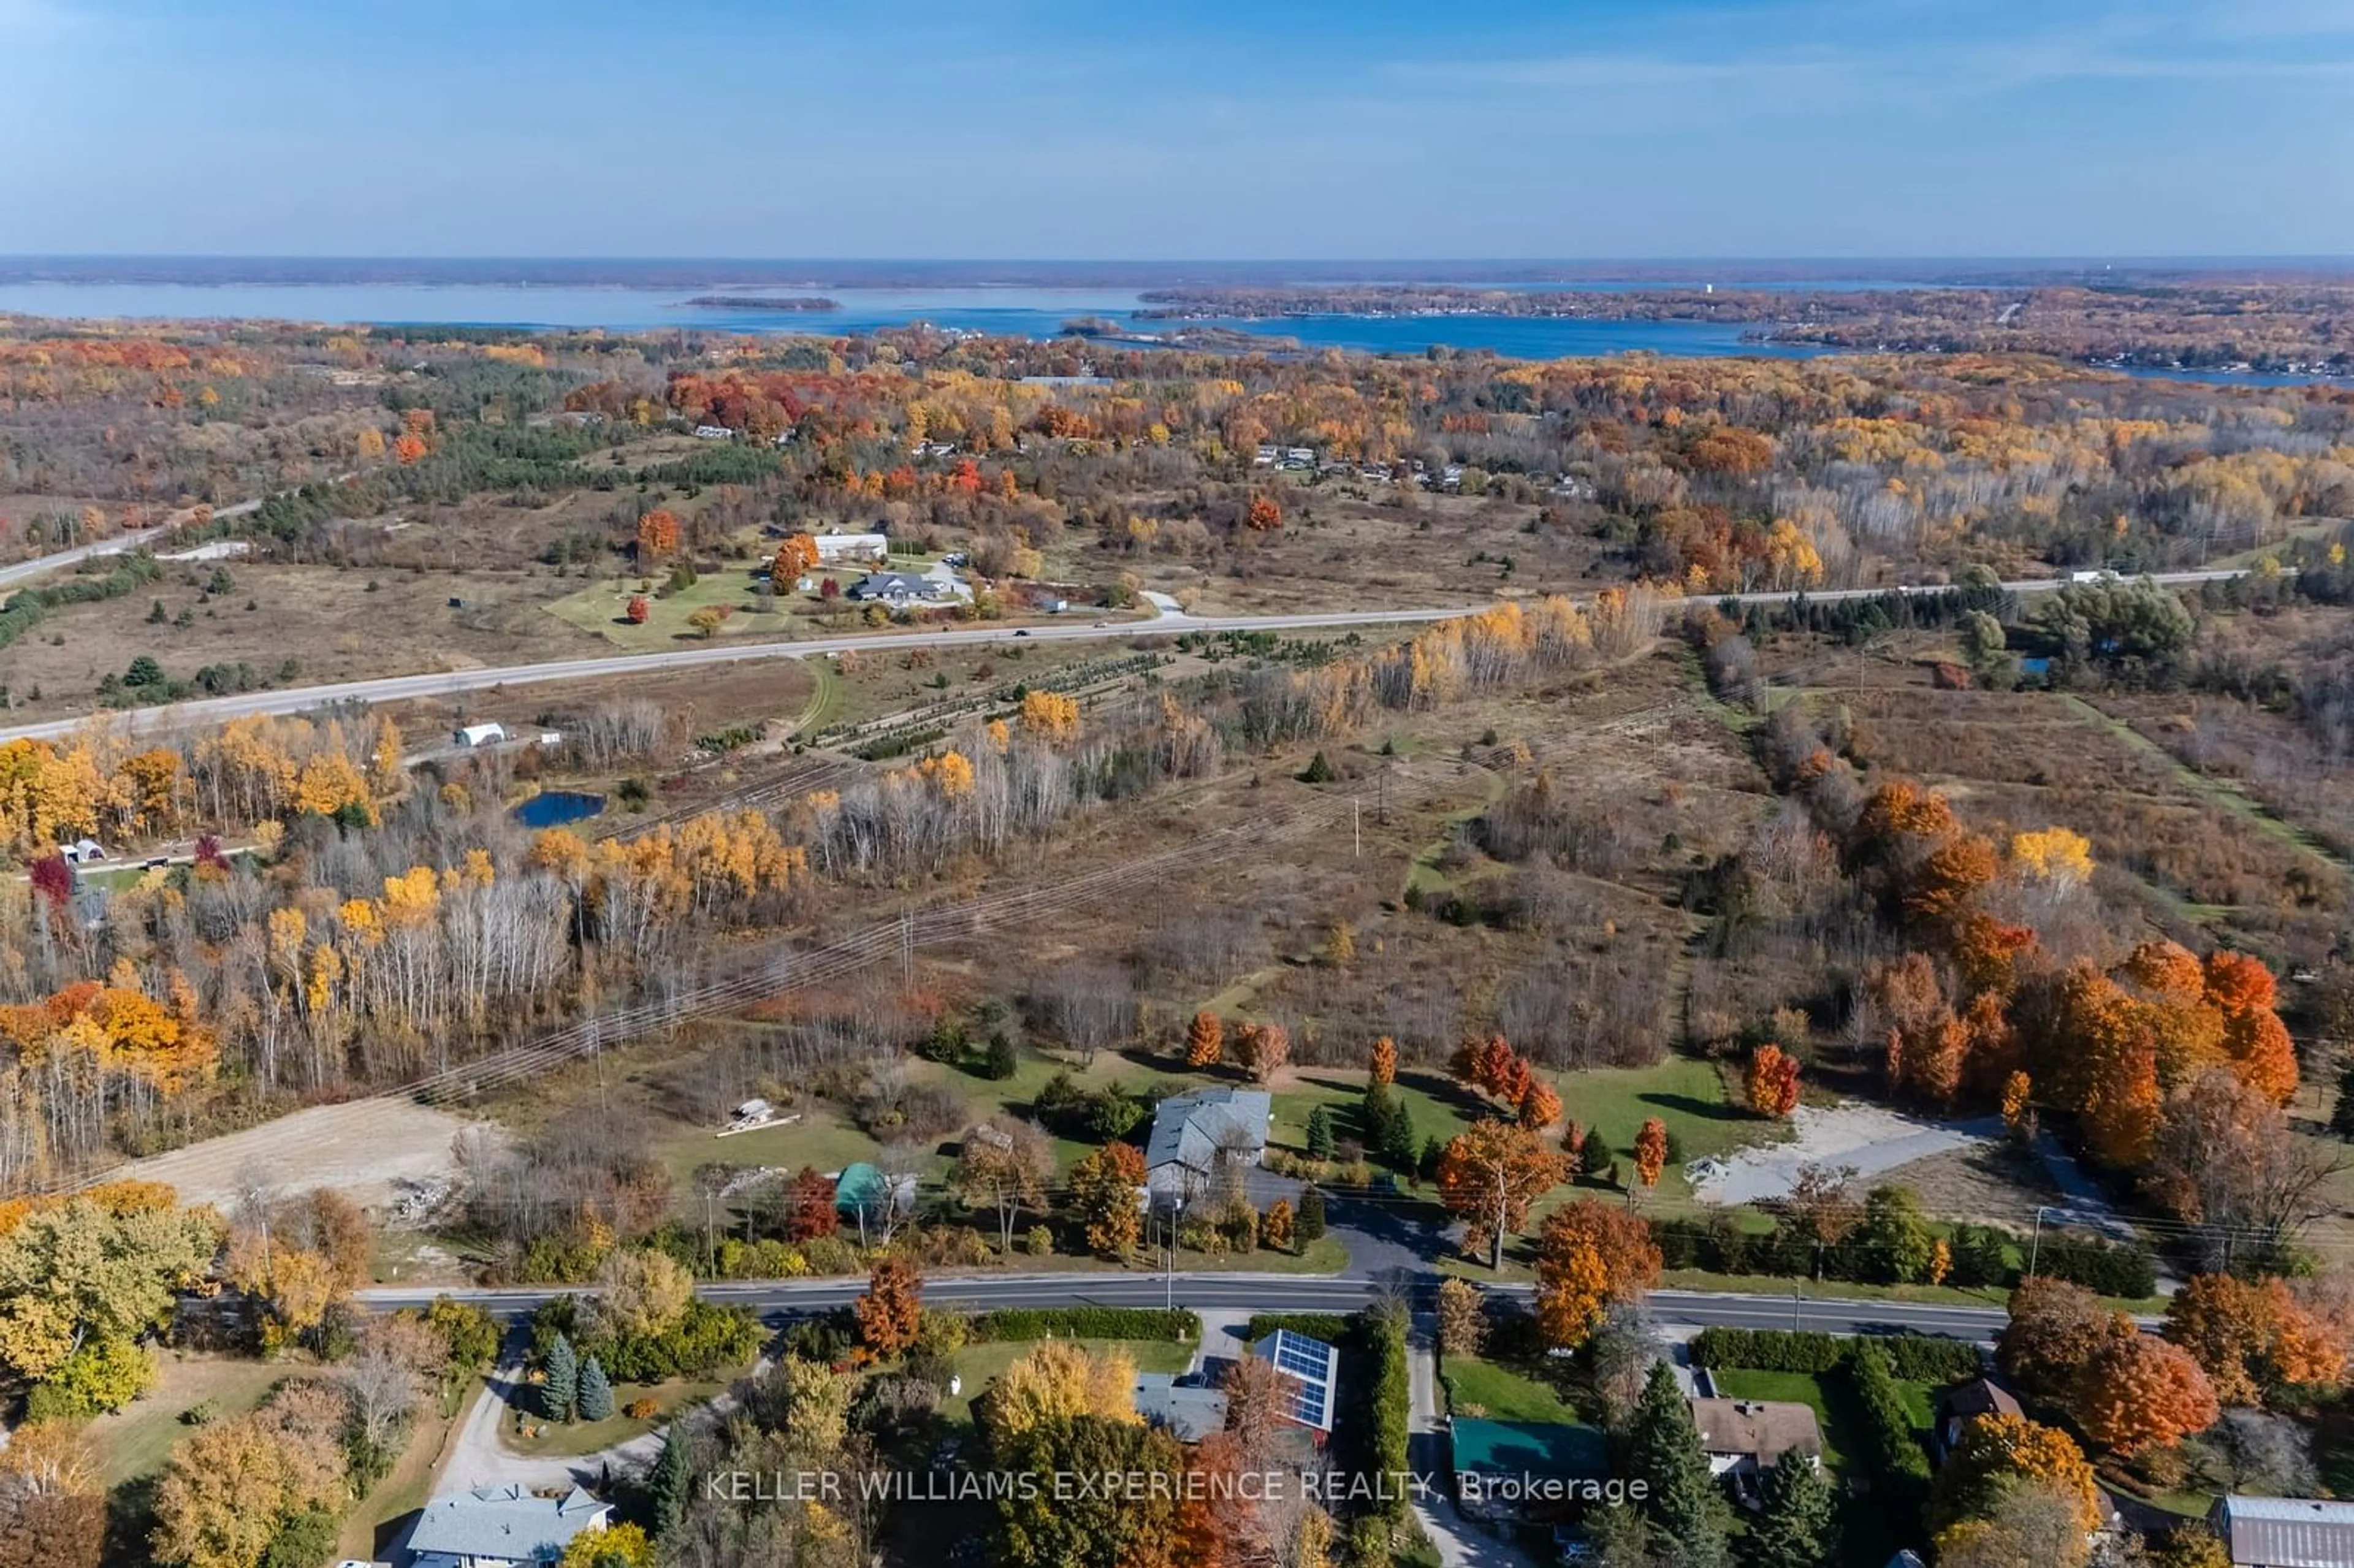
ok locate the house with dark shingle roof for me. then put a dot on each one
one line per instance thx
(501, 1527)
(1966, 1403)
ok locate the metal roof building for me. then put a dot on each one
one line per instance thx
(2284, 1532)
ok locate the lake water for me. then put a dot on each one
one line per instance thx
(555, 808)
(1008, 312)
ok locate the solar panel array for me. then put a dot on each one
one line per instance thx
(1308, 1365)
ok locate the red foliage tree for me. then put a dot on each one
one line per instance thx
(810, 1210)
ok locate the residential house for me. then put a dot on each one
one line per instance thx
(2284, 1532)
(1744, 1439)
(936, 585)
(1972, 1400)
(501, 1527)
(1186, 1412)
(1195, 1136)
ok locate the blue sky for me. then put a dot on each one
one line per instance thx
(1041, 129)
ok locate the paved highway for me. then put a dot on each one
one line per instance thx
(1258, 1293)
(399, 688)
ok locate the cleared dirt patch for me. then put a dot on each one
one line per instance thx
(1870, 1138)
(359, 1150)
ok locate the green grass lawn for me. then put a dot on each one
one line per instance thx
(530, 1435)
(1492, 1392)
(137, 1440)
(822, 1138)
(977, 1364)
(1439, 1106)
(598, 607)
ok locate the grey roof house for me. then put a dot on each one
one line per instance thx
(501, 1527)
(1186, 1414)
(1194, 1134)
(2284, 1532)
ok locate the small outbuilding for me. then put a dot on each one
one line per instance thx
(474, 734)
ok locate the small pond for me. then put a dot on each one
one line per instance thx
(553, 808)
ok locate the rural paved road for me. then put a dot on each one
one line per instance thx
(1255, 1292)
(440, 684)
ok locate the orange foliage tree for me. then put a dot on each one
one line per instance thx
(1590, 1253)
(1489, 1175)
(1383, 1066)
(1772, 1081)
(1265, 515)
(2138, 1392)
(2255, 1338)
(797, 555)
(888, 1312)
(1650, 1154)
(657, 533)
(1205, 1041)
(1540, 1107)
(1997, 1450)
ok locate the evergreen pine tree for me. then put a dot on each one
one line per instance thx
(1796, 1527)
(561, 1390)
(1310, 1223)
(2341, 1118)
(999, 1064)
(1319, 1134)
(595, 1392)
(671, 1485)
(1663, 1448)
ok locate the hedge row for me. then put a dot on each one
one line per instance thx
(1896, 1453)
(2105, 1268)
(1975, 1254)
(1082, 1323)
(1329, 1327)
(1391, 1404)
(1917, 1358)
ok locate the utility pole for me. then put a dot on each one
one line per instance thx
(1357, 823)
(2035, 1243)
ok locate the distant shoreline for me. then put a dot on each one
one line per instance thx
(726, 276)
(763, 302)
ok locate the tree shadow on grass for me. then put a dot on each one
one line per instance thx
(131, 1520)
(1707, 1110)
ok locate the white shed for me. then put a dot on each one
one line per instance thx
(479, 734)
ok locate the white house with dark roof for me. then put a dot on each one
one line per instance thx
(1197, 1134)
(501, 1527)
